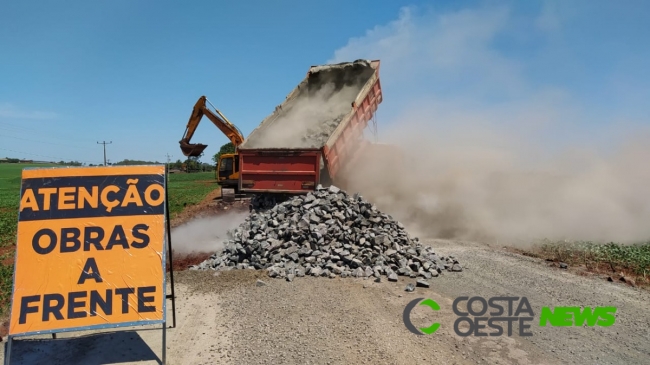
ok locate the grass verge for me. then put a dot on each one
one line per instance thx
(183, 190)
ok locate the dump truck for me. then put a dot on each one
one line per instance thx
(315, 134)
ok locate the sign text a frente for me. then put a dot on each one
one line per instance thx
(90, 250)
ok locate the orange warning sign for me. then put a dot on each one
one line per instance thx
(91, 249)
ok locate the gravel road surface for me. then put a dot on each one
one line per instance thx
(228, 319)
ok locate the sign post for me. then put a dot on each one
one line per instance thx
(91, 250)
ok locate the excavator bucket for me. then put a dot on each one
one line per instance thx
(192, 149)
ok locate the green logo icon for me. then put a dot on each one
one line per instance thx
(407, 316)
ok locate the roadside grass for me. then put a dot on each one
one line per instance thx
(188, 189)
(9, 198)
(630, 261)
(183, 190)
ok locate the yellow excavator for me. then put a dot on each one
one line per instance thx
(228, 165)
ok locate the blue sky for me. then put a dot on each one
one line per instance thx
(78, 72)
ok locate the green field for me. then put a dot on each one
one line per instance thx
(9, 198)
(632, 260)
(183, 190)
(188, 189)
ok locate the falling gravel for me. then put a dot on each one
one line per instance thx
(328, 233)
(314, 109)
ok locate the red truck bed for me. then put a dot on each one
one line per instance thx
(279, 170)
(266, 167)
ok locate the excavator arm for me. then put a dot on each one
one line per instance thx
(200, 109)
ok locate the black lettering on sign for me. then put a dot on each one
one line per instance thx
(95, 238)
(118, 237)
(91, 196)
(70, 239)
(142, 299)
(25, 307)
(81, 304)
(124, 292)
(51, 241)
(90, 271)
(55, 309)
(73, 304)
(105, 304)
(136, 232)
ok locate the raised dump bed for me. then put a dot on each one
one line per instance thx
(312, 135)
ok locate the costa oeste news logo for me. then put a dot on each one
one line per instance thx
(502, 312)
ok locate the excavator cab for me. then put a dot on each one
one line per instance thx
(228, 170)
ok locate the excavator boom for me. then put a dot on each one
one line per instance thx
(219, 120)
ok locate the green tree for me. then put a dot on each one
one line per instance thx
(128, 162)
(194, 163)
(226, 148)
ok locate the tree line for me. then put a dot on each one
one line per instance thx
(191, 164)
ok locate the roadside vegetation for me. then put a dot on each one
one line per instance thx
(9, 198)
(184, 189)
(188, 189)
(628, 263)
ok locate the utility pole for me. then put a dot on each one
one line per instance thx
(168, 160)
(105, 143)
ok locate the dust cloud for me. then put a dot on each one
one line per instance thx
(499, 187)
(205, 234)
(504, 136)
(308, 119)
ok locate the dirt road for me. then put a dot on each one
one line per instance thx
(228, 319)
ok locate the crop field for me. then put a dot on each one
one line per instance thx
(188, 189)
(183, 189)
(9, 198)
(631, 260)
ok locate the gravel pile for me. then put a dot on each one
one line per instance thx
(328, 233)
(262, 202)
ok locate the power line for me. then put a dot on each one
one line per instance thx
(105, 143)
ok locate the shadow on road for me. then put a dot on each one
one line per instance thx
(94, 349)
